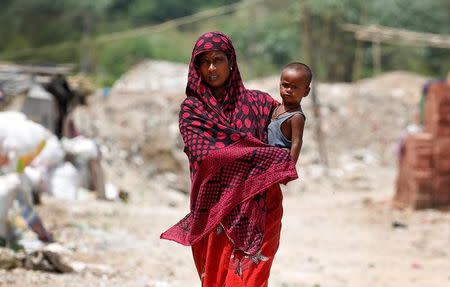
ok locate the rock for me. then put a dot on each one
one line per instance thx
(398, 224)
(47, 261)
(8, 259)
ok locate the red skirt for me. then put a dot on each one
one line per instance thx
(219, 265)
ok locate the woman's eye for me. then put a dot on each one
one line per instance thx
(214, 61)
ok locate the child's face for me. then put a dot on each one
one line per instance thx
(293, 86)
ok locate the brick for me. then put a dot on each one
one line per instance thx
(422, 201)
(442, 90)
(437, 107)
(441, 156)
(401, 192)
(414, 188)
(438, 111)
(419, 193)
(441, 192)
(421, 176)
(439, 120)
(419, 151)
(438, 129)
(442, 113)
(419, 141)
(437, 126)
(419, 162)
(442, 166)
(403, 179)
(441, 147)
(403, 195)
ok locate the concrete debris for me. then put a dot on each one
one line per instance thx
(8, 259)
(47, 261)
(42, 260)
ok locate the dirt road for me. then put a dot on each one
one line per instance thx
(331, 237)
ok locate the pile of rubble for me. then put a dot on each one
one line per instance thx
(424, 168)
(138, 123)
(42, 153)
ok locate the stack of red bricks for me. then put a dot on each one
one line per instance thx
(424, 172)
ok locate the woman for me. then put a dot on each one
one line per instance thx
(235, 220)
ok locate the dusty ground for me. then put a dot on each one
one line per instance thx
(338, 227)
(330, 238)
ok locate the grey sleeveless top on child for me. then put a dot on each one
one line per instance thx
(275, 136)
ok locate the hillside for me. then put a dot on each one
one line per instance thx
(339, 228)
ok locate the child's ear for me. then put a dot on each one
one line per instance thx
(307, 92)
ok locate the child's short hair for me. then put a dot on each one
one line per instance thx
(300, 67)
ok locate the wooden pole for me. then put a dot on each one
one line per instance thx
(310, 55)
(358, 64)
(376, 55)
(396, 36)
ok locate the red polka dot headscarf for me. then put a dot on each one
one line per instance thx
(207, 123)
(214, 41)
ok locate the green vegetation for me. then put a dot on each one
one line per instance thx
(267, 34)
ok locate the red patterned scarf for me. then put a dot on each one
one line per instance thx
(231, 166)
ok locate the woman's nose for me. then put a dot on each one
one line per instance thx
(212, 66)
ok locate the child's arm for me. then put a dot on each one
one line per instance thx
(297, 125)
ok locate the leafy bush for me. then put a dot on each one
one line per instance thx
(117, 58)
(267, 34)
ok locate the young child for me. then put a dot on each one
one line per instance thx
(288, 120)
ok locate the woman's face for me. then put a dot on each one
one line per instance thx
(214, 68)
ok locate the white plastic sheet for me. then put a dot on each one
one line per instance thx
(20, 139)
(51, 155)
(8, 185)
(81, 147)
(65, 181)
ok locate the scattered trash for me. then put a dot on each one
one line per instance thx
(124, 196)
(398, 224)
(46, 261)
(84, 148)
(65, 181)
(111, 191)
(42, 260)
(8, 259)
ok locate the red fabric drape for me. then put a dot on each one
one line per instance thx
(231, 166)
(219, 264)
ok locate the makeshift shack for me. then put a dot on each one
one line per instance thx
(43, 94)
